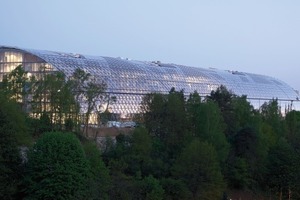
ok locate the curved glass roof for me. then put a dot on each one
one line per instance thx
(124, 76)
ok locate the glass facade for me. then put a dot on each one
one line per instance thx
(129, 80)
(11, 58)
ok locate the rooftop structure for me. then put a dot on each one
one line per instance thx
(129, 80)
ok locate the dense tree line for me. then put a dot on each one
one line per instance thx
(203, 148)
(39, 157)
(185, 147)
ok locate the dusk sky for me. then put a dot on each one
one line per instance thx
(257, 36)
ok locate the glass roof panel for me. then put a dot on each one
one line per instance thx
(140, 77)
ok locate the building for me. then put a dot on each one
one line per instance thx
(129, 80)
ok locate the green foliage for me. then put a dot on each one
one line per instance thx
(89, 91)
(57, 168)
(166, 119)
(246, 163)
(246, 167)
(161, 162)
(199, 168)
(208, 125)
(70, 124)
(151, 189)
(182, 152)
(52, 95)
(13, 121)
(238, 173)
(175, 189)
(292, 121)
(141, 142)
(13, 134)
(175, 119)
(16, 84)
(283, 167)
(153, 107)
(99, 180)
(244, 114)
(245, 143)
(139, 155)
(37, 126)
(224, 99)
(249, 140)
(124, 187)
(271, 115)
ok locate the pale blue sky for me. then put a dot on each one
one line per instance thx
(258, 36)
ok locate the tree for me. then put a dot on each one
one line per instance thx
(16, 85)
(237, 173)
(175, 189)
(223, 98)
(13, 134)
(53, 96)
(244, 114)
(57, 168)
(151, 189)
(78, 81)
(292, 121)
(90, 94)
(199, 168)
(246, 163)
(153, 109)
(165, 118)
(250, 143)
(175, 120)
(41, 125)
(99, 180)
(138, 157)
(271, 115)
(207, 124)
(283, 168)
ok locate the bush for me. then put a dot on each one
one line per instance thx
(57, 168)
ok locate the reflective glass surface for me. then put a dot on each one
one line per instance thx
(129, 80)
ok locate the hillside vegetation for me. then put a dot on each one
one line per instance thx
(217, 147)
